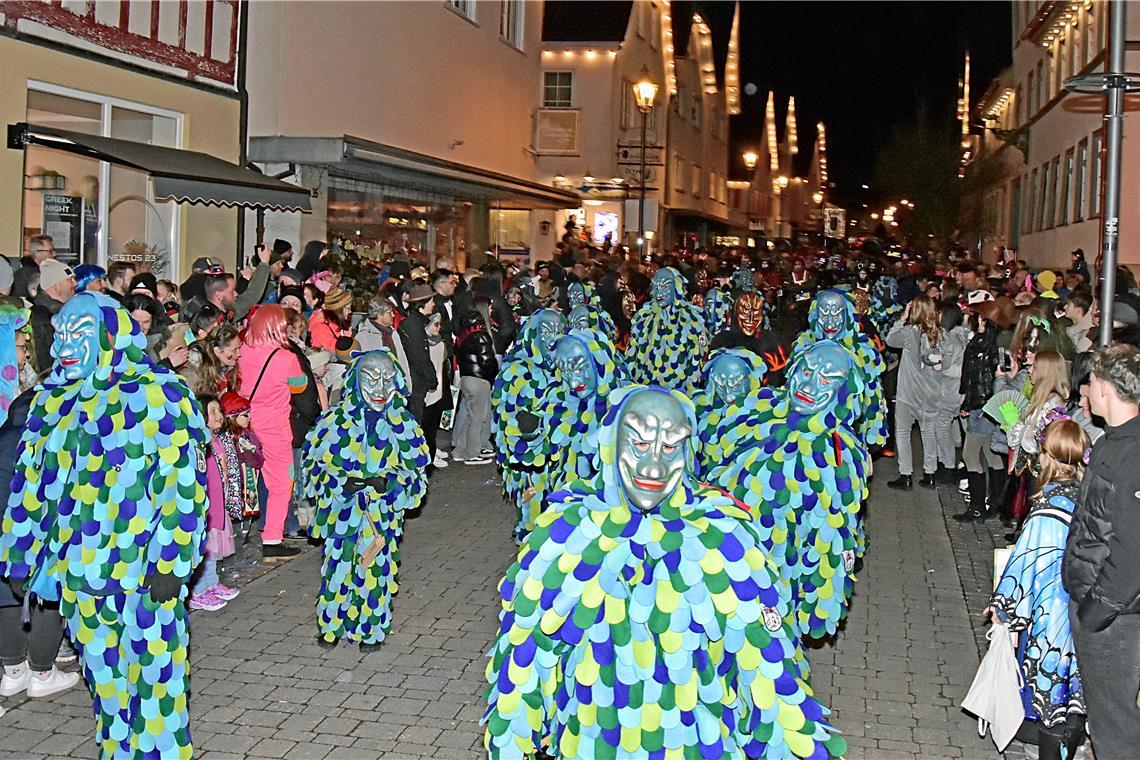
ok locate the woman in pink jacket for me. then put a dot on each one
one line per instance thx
(270, 375)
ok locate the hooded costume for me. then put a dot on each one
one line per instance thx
(832, 317)
(668, 339)
(364, 464)
(587, 317)
(746, 330)
(108, 516)
(718, 310)
(519, 399)
(588, 368)
(731, 386)
(642, 619)
(803, 478)
(885, 308)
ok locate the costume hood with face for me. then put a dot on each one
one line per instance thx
(718, 310)
(802, 473)
(884, 308)
(363, 465)
(589, 317)
(575, 412)
(668, 340)
(109, 493)
(519, 400)
(638, 632)
(716, 414)
(866, 409)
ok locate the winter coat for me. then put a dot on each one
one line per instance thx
(9, 441)
(44, 307)
(306, 405)
(475, 350)
(978, 367)
(1100, 569)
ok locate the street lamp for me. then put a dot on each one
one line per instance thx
(750, 159)
(644, 93)
(817, 197)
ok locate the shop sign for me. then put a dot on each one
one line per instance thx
(631, 154)
(632, 175)
(557, 131)
(63, 222)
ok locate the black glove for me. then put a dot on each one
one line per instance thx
(353, 485)
(528, 423)
(162, 586)
(378, 482)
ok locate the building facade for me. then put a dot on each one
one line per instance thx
(163, 74)
(1036, 169)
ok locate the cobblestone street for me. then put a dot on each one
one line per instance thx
(262, 687)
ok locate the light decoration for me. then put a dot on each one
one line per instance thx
(705, 53)
(770, 122)
(790, 127)
(732, 66)
(667, 44)
(821, 138)
(999, 104)
(1065, 18)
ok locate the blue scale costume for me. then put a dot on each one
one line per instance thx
(362, 468)
(716, 415)
(108, 503)
(668, 339)
(718, 311)
(586, 309)
(647, 633)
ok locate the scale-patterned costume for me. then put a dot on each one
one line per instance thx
(523, 386)
(803, 479)
(352, 440)
(573, 422)
(718, 311)
(884, 309)
(716, 420)
(659, 634)
(589, 317)
(109, 490)
(667, 343)
(867, 409)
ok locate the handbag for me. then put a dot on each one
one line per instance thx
(995, 695)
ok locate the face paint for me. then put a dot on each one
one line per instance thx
(572, 359)
(728, 378)
(749, 313)
(816, 377)
(575, 294)
(663, 288)
(377, 380)
(76, 346)
(830, 315)
(551, 327)
(651, 448)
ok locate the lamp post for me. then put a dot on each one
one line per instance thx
(750, 158)
(644, 93)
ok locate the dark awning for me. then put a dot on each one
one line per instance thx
(181, 175)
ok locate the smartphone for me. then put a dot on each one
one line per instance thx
(1006, 361)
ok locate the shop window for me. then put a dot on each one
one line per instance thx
(679, 173)
(96, 211)
(511, 230)
(1066, 189)
(557, 89)
(696, 181)
(511, 22)
(465, 8)
(1094, 173)
(1081, 181)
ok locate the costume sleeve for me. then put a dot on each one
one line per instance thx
(1117, 586)
(902, 337)
(1040, 545)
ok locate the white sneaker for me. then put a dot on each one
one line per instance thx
(963, 486)
(439, 463)
(443, 454)
(477, 460)
(16, 679)
(52, 682)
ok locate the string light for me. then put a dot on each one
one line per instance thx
(822, 140)
(770, 121)
(790, 127)
(732, 66)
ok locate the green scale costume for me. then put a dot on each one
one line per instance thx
(732, 386)
(519, 398)
(364, 465)
(642, 619)
(585, 310)
(668, 339)
(803, 478)
(108, 515)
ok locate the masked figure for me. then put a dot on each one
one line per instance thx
(832, 317)
(668, 339)
(642, 619)
(364, 464)
(743, 281)
(12, 318)
(108, 516)
(519, 399)
(718, 310)
(731, 385)
(588, 317)
(589, 367)
(884, 309)
(747, 332)
(803, 478)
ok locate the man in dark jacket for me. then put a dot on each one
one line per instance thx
(475, 355)
(1101, 571)
(57, 285)
(40, 249)
(413, 337)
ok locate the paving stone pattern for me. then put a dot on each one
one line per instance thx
(263, 689)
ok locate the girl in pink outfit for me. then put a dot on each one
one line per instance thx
(208, 592)
(270, 375)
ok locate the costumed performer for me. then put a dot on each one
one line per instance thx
(731, 386)
(668, 340)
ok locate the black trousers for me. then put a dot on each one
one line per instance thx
(1110, 677)
(37, 642)
(430, 423)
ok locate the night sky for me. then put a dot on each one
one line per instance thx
(860, 67)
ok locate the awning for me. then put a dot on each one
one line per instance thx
(395, 170)
(180, 175)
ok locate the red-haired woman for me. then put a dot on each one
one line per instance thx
(270, 375)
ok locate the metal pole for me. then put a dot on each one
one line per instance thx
(641, 198)
(1113, 142)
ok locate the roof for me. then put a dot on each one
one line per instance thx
(585, 21)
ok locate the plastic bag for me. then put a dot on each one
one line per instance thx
(995, 695)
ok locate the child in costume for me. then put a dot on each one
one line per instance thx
(519, 399)
(588, 368)
(207, 591)
(642, 619)
(668, 339)
(731, 386)
(364, 465)
(107, 515)
(804, 479)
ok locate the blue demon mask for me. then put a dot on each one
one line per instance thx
(551, 327)
(817, 377)
(728, 377)
(831, 315)
(573, 360)
(651, 448)
(377, 377)
(579, 317)
(76, 345)
(664, 287)
(575, 294)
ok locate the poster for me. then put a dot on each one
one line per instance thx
(605, 223)
(63, 223)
